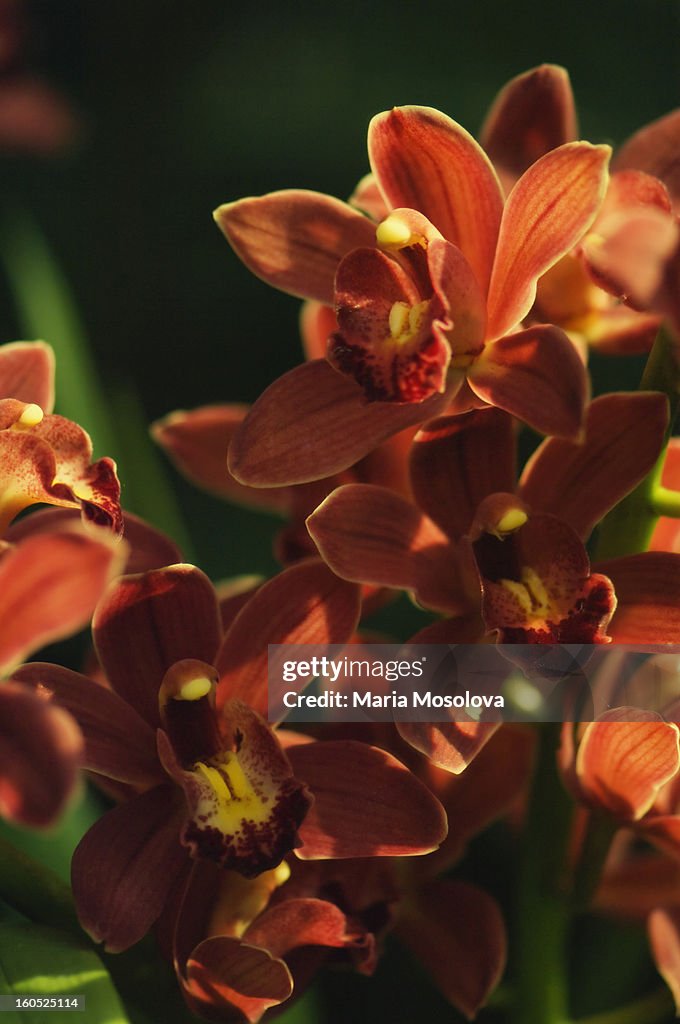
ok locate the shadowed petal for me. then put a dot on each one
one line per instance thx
(40, 755)
(425, 161)
(302, 922)
(371, 535)
(314, 422)
(118, 743)
(366, 803)
(146, 623)
(306, 604)
(531, 115)
(457, 932)
(226, 980)
(547, 213)
(655, 149)
(125, 866)
(648, 591)
(580, 483)
(456, 461)
(27, 373)
(368, 198)
(49, 586)
(317, 323)
(198, 441)
(538, 376)
(295, 239)
(666, 536)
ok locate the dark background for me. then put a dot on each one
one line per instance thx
(185, 105)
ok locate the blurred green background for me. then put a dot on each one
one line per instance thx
(185, 105)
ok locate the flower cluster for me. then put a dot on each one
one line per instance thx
(450, 308)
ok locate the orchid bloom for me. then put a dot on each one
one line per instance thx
(429, 301)
(284, 924)
(633, 235)
(44, 457)
(204, 775)
(510, 563)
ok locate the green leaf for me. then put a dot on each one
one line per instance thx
(43, 961)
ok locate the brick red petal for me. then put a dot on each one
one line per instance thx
(40, 755)
(655, 149)
(531, 115)
(302, 922)
(369, 534)
(648, 591)
(664, 936)
(536, 375)
(306, 604)
(581, 482)
(147, 622)
(197, 442)
(456, 461)
(548, 211)
(425, 161)
(456, 931)
(118, 743)
(226, 980)
(622, 765)
(27, 373)
(366, 803)
(49, 586)
(125, 867)
(314, 422)
(294, 239)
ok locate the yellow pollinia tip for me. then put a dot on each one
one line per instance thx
(31, 416)
(194, 689)
(393, 233)
(512, 520)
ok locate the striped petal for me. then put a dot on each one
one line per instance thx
(371, 535)
(581, 482)
(531, 115)
(425, 161)
(294, 239)
(536, 375)
(548, 211)
(314, 422)
(648, 592)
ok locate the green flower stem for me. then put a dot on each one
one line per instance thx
(628, 528)
(600, 831)
(543, 910)
(35, 891)
(666, 502)
(656, 1008)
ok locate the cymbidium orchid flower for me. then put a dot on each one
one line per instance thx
(509, 562)
(633, 235)
(429, 302)
(241, 946)
(46, 458)
(204, 775)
